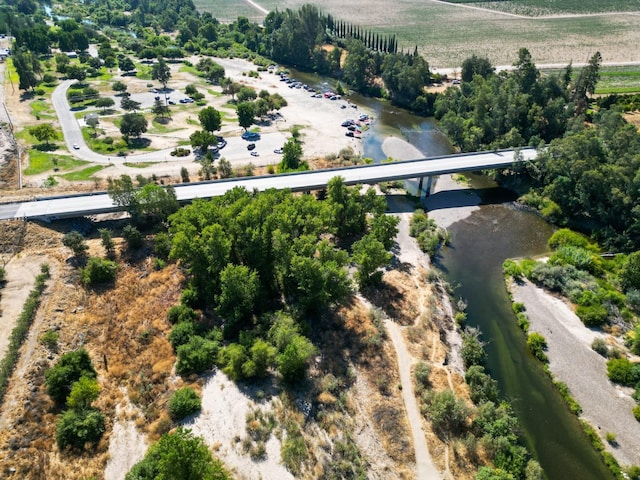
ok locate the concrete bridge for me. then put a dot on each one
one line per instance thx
(69, 206)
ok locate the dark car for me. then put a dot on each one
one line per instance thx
(251, 146)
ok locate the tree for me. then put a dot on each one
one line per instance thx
(246, 94)
(224, 168)
(160, 109)
(184, 401)
(245, 114)
(108, 244)
(93, 123)
(44, 132)
(472, 348)
(369, 255)
(75, 241)
(70, 368)
(385, 228)
(104, 103)
(238, 293)
(76, 72)
(155, 203)
(196, 356)
(447, 413)
(210, 119)
(23, 61)
(78, 428)
(98, 271)
(83, 393)
(630, 273)
(126, 64)
(132, 237)
(291, 156)
(127, 103)
(133, 124)
(119, 86)
(475, 65)
(161, 72)
(178, 455)
(294, 360)
(202, 139)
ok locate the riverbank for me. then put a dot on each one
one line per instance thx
(607, 407)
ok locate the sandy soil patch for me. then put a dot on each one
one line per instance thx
(606, 406)
(127, 445)
(222, 421)
(633, 118)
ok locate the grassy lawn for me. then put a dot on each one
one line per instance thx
(40, 162)
(41, 109)
(82, 175)
(157, 127)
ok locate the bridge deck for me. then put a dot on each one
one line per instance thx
(90, 204)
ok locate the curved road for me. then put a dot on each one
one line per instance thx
(73, 133)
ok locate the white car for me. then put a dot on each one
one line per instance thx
(76, 146)
(255, 154)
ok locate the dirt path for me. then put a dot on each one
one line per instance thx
(606, 406)
(425, 468)
(127, 446)
(21, 274)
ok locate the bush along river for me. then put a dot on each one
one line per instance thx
(473, 263)
(480, 244)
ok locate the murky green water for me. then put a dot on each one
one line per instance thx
(480, 244)
(473, 262)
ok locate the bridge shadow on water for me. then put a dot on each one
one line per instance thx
(468, 198)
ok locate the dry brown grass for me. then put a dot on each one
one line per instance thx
(124, 329)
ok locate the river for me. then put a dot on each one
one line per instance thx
(473, 263)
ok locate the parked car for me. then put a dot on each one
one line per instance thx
(277, 150)
(251, 146)
(348, 122)
(349, 133)
(221, 142)
(250, 136)
(76, 146)
(255, 154)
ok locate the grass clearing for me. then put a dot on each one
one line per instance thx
(139, 164)
(82, 175)
(612, 79)
(41, 162)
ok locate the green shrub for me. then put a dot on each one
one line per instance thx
(565, 237)
(178, 455)
(50, 339)
(294, 360)
(421, 374)
(132, 237)
(184, 401)
(472, 348)
(21, 328)
(592, 315)
(518, 307)
(83, 393)
(511, 269)
(196, 356)
(99, 271)
(3, 274)
(482, 387)
(622, 371)
(636, 412)
(69, 369)
(181, 333)
(600, 346)
(181, 313)
(78, 428)
(447, 413)
(523, 322)
(537, 345)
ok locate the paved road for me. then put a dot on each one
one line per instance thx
(88, 204)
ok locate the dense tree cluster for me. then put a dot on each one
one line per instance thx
(264, 262)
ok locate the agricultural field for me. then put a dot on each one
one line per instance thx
(613, 80)
(447, 33)
(538, 8)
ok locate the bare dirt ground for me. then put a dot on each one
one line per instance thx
(606, 406)
(21, 274)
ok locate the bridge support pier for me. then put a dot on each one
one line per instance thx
(427, 188)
